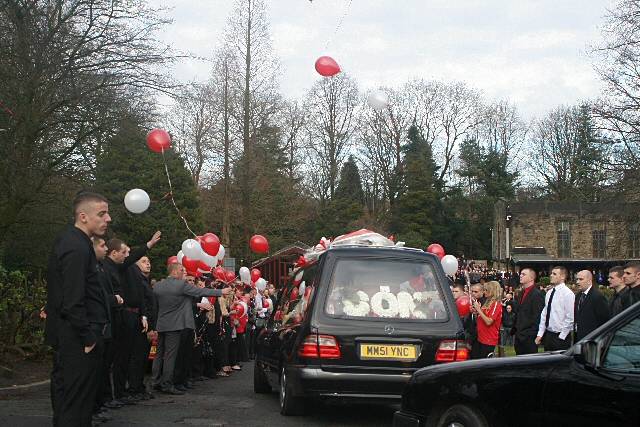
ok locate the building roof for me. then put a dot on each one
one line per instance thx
(547, 259)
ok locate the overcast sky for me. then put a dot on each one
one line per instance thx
(532, 52)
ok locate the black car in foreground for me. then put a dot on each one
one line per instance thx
(356, 323)
(594, 383)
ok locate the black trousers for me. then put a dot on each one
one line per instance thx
(185, 357)
(525, 345)
(552, 341)
(74, 379)
(105, 390)
(128, 365)
(481, 351)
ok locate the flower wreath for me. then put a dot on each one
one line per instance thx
(384, 304)
(360, 308)
(405, 304)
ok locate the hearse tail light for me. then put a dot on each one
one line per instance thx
(320, 346)
(452, 351)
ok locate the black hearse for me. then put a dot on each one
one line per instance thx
(356, 323)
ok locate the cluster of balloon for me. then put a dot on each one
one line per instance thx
(326, 66)
(158, 140)
(463, 304)
(449, 262)
(259, 244)
(378, 100)
(199, 255)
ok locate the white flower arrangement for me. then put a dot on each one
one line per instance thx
(419, 314)
(391, 302)
(405, 304)
(360, 309)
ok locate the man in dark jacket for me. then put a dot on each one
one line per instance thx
(591, 308)
(621, 298)
(131, 320)
(77, 313)
(632, 280)
(530, 305)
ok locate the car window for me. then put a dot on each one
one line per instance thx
(392, 289)
(299, 294)
(624, 348)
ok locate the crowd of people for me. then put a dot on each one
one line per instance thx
(532, 314)
(104, 314)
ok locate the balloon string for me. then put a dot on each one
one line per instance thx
(344, 14)
(170, 194)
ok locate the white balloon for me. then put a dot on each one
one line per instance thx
(302, 288)
(192, 249)
(449, 264)
(378, 100)
(245, 275)
(136, 201)
(180, 256)
(210, 260)
(261, 284)
(221, 253)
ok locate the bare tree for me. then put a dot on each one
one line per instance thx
(67, 69)
(331, 105)
(566, 155)
(292, 122)
(192, 121)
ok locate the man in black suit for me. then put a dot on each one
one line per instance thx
(77, 313)
(530, 305)
(591, 308)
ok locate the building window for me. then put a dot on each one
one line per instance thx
(599, 243)
(564, 239)
(634, 240)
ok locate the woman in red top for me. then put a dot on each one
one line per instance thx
(489, 321)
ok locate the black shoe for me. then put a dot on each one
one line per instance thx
(181, 387)
(172, 390)
(113, 404)
(189, 385)
(128, 400)
(157, 387)
(102, 417)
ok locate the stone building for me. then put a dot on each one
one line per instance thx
(541, 234)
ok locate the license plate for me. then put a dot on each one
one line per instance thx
(404, 352)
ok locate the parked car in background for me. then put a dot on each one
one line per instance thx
(594, 383)
(356, 324)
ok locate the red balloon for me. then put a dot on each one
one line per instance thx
(255, 275)
(158, 140)
(464, 305)
(436, 249)
(190, 264)
(259, 244)
(302, 261)
(172, 260)
(210, 243)
(326, 66)
(202, 266)
(219, 272)
(229, 276)
(294, 294)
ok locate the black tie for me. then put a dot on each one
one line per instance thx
(546, 321)
(583, 296)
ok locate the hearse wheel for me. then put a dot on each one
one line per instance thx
(460, 415)
(289, 404)
(260, 383)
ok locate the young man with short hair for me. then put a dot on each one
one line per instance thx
(621, 298)
(527, 317)
(632, 280)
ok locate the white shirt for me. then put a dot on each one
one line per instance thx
(561, 319)
(258, 306)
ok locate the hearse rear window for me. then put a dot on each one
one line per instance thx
(391, 289)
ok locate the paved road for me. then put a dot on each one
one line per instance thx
(222, 402)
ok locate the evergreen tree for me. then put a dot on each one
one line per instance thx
(127, 163)
(347, 205)
(418, 208)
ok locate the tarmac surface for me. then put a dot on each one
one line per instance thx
(220, 402)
